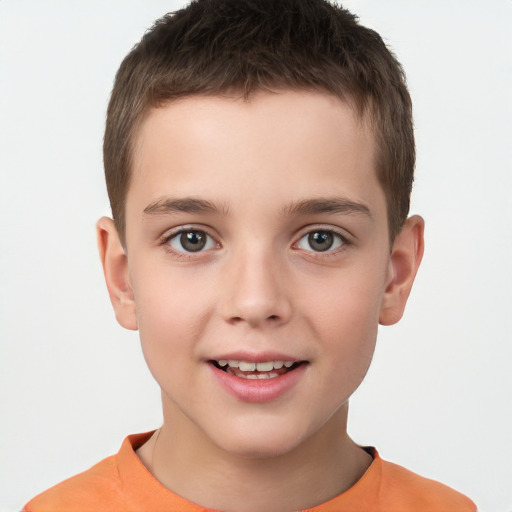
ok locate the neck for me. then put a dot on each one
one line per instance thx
(185, 461)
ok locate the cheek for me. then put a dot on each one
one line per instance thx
(344, 315)
(347, 301)
(172, 316)
(169, 300)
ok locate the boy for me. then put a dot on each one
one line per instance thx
(259, 159)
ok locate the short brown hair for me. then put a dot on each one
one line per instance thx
(222, 46)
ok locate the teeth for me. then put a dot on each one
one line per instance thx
(264, 366)
(259, 376)
(246, 367)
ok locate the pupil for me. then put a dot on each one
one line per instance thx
(321, 240)
(193, 241)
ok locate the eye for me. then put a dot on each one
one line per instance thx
(191, 240)
(321, 241)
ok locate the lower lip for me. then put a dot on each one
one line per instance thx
(258, 390)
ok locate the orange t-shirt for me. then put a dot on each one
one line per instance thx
(121, 483)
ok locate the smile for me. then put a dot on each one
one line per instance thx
(252, 370)
(263, 378)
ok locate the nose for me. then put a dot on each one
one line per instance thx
(255, 290)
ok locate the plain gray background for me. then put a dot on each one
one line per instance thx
(438, 398)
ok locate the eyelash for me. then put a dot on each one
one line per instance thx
(340, 240)
(167, 240)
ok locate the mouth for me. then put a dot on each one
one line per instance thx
(256, 370)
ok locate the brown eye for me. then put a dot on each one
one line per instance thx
(191, 241)
(321, 241)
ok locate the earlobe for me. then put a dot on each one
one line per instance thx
(404, 261)
(115, 268)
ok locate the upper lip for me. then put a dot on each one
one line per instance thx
(255, 357)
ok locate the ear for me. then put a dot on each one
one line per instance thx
(404, 261)
(115, 267)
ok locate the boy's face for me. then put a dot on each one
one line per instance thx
(256, 232)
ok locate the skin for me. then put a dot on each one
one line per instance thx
(259, 285)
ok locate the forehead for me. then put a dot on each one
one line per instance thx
(287, 145)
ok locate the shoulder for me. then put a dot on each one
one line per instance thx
(87, 490)
(405, 490)
(113, 484)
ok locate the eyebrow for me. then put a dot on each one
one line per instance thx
(168, 205)
(327, 205)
